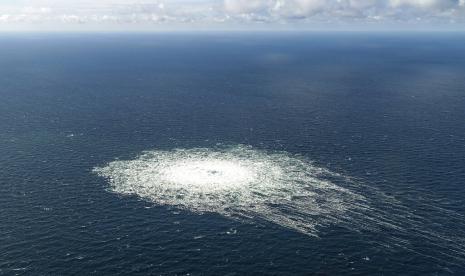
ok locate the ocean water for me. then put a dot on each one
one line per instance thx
(232, 154)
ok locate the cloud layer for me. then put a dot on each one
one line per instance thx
(227, 13)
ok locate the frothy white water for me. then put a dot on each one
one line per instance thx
(237, 182)
(288, 190)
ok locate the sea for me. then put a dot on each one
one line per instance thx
(232, 153)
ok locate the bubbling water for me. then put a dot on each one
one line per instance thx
(239, 182)
(252, 185)
(211, 174)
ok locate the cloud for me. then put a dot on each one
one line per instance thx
(242, 13)
(246, 6)
(425, 4)
(300, 8)
(348, 10)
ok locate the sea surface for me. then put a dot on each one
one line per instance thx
(349, 149)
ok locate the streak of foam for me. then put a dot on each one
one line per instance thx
(287, 190)
(236, 182)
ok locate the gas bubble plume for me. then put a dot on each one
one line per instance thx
(239, 182)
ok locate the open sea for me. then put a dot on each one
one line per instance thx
(232, 154)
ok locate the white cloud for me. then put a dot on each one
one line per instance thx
(36, 10)
(425, 4)
(246, 6)
(365, 4)
(300, 8)
(216, 13)
(340, 10)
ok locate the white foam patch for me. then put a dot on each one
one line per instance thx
(239, 182)
(288, 190)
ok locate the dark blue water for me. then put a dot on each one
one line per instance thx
(385, 110)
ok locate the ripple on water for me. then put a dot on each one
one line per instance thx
(249, 184)
(237, 181)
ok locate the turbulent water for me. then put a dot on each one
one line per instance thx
(236, 181)
(232, 154)
(252, 185)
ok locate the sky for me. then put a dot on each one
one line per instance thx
(147, 15)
